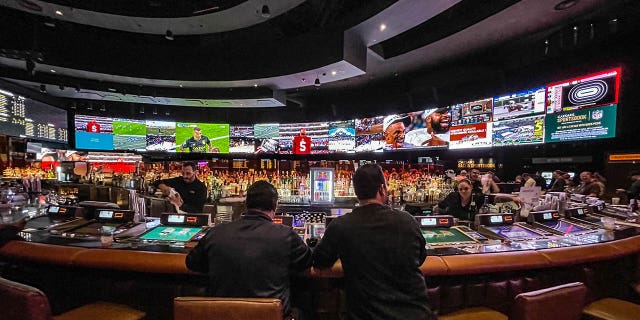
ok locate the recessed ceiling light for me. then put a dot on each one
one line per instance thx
(181, 86)
(255, 85)
(53, 71)
(383, 27)
(333, 73)
(58, 12)
(566, 4)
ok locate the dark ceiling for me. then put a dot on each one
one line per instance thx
(235, 53)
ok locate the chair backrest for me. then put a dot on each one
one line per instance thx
(213, 308)
(560, 302)
(22, 302)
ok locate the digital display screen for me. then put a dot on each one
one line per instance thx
(471, 136)
(428, 129)
(167, 233)
(176, 218)
(585, 92)
(316, 230)
(472, 112)
(520, 104)
(369, 135)
(94, 132)
(24, 117)
(241, 139)
(267, 135)
(105, 214)
(496, 219)
(129, 134)
(580, 212)
(587, 124)
(54, 209)
(519, 131)
(443, 235)
(202, 137)
(564, 226)
(342, 136)
(428, 222)
(547, 216)
(514, 232)
(304, 138)
(94, 228)
(161, 135)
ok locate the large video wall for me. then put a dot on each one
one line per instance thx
(24, 117)
(582, 108)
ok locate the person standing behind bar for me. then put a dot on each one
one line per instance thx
(252, 257)
(191, 192)
(381, 250)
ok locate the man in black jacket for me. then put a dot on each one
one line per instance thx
(381, 250)
(252, 257)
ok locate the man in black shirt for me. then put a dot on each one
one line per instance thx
(381, 250)
(191, 192)
(252, 257)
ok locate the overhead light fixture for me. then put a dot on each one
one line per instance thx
(166, 113)
(103, 108)
(90, 107)
(317, 82)
(255, 85)
(77, 88)
(49, 22)
(61, 87)
(168, 35)
(58, 12)
(43, 88)
(141, 109)
(265, 12)
(155, 110)
(383, 27)
(53, 70)
(566, 4)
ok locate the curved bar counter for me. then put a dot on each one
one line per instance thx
(149, 280)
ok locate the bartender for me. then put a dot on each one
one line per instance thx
(187, 193)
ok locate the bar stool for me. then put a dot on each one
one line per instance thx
(611, 309)
(22, 302)
(560, 302)
(477, 313)
(214, 308)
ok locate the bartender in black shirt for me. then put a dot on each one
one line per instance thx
(190, 193)
(381, 250)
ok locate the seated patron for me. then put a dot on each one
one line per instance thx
(252, 257)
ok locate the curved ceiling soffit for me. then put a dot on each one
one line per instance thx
(246, 14)
(400, 16)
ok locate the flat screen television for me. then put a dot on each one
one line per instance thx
(202, 137)
(369, 136)
(471, 136)
(24, 117)
(584, 124)
(129, 134)
(342, 136)
(521, 104)
(267, 135)
(428, 129)
(93, 132)
(242, 139)
(472, 112)
(589, 91)
(160, 135)
(304, 138)
(529, 130)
